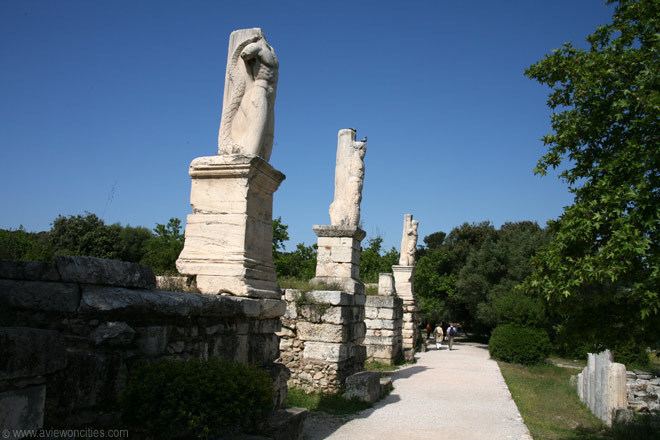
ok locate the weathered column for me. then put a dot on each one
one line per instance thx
(323, 330)
(384, 320)
(338, 258)
(228, 237)
(602, 386)
(403, 280)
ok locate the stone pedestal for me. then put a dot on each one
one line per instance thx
(228, 238)
(338, 258)
(322, 338)
(384, 321)
(403, 281)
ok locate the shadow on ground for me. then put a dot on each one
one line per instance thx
(320, 425)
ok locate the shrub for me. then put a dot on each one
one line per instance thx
(518, 344)
(195, 399)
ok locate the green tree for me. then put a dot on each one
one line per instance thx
(84, 235)
(22, 245)
(486, 283)
(299, 264)
(280, 235)
(373, 261)
(601, 269)
(162, 250)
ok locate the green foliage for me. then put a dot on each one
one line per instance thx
(21, 245)
(601, 270)
(299, 264)
(328, 403)
(85, 235)
(88, 235)
(641, 427)
(162, 250)
(195, 399)
(373, 262)
(630, 352)
(470, 276)
(519, 344)
(280, 234)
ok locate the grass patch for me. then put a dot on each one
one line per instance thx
(381, 367)
(371, 289)
(549, 404)
(331, 404)
(295, 283)
(305, 285)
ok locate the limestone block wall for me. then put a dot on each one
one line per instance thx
(643, 391)
(71, 331)
(384, 322)
(602, 386)
(322, 338)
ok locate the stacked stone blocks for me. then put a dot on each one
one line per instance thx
(384, 322)
(403, 280)
(71, 332)
(322, 338)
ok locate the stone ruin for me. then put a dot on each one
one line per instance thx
(614, 394)
(323, 330)
(384, 321)
(403, 283)
(71, 330)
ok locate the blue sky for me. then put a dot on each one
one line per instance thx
(105, 103)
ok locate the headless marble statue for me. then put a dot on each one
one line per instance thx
(408, 241)
(248, 120)
(349, 178)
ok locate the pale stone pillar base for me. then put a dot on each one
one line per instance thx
(338, 258)
(229, 235)
(322, 339)
(403, 282)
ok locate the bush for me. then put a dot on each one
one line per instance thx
(518, 344)
(196, 399)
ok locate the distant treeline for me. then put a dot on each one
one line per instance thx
(89, 235)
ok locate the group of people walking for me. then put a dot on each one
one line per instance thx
(442, 332)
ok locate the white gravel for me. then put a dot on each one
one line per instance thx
(446, 395)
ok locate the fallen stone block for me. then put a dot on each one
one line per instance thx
(364, 386)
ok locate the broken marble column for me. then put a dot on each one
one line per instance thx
(602, 386)
(384, 321)
(338, 258)
(323, 330)
(403, 281)
(228, 237)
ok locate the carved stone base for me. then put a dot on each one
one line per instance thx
(338, 258)
(229, 235)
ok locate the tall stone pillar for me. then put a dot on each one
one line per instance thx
(228, 237)
(383, 318)
(323, 330)
(403, 281)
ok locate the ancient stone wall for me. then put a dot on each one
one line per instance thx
(384, 321)
(643, 391)
(321, 338)
(71, 331)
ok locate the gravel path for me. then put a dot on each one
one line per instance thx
(453, 395)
